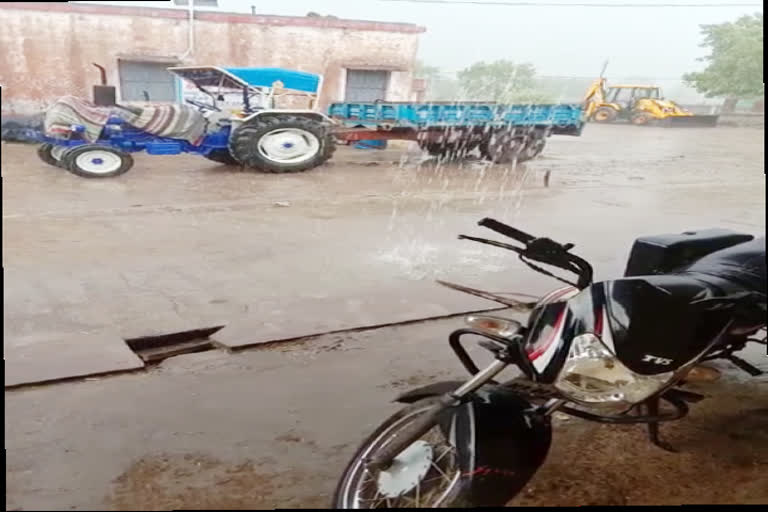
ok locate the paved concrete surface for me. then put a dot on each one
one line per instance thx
(69, 355)
(180, 243)
(274, 427)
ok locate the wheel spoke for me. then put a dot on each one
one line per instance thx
(433, 479)
(430, 487)
(440, 471)
(448, 449)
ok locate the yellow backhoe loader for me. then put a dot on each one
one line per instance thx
(638, 104)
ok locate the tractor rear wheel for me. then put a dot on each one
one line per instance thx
(222, 156)
(605, 115)
(51, 154)
(282, 143)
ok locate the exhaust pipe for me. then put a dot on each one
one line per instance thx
(104, 95)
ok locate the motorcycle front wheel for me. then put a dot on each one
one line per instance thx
(424, 475)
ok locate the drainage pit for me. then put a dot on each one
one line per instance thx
(154, 349)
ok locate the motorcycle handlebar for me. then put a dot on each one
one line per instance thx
(508, 231)
(544, 250)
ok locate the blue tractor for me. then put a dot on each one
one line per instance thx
(231, 118)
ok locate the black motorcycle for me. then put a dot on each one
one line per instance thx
(611, 352)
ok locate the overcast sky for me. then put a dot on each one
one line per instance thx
(660, 42)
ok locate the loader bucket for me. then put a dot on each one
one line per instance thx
(691, 121)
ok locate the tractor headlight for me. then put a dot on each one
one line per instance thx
(593, 375)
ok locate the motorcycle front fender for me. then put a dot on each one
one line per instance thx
(500, 444)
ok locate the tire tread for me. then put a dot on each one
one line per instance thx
(242, 144)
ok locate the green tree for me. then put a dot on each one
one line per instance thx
(735, 63)
(562, 89)
(502, 81)
(441, 86)
(426, 71)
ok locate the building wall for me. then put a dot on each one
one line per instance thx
(46, 50)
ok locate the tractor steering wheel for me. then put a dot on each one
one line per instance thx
(203, 106)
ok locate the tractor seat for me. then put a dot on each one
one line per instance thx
(217, 120)
(172, 121)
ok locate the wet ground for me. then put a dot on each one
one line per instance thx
(180, 243)
(274, 427)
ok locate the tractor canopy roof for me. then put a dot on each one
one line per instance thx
(212, 76)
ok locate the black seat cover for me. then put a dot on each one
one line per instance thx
(743, 266)
(737, 272)
(734, 270)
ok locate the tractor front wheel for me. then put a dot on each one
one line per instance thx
(282, 143)
(95, 161)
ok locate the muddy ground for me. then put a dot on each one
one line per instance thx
(180, 243)
(273, 428)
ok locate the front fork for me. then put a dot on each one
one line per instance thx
(477, 380)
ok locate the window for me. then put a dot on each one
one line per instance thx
(621, 95)
(146, 81)
(198, 3)
(644, 92)
(366, 85)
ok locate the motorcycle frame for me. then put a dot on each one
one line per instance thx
(503, 405)
(510, 351)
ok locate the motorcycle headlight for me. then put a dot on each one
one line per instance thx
(593, 375)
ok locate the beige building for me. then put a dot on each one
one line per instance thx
(47, 51)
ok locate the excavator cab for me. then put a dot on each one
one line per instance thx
(640, 92)
(637, 93)
(627, 100)
(622, 96)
